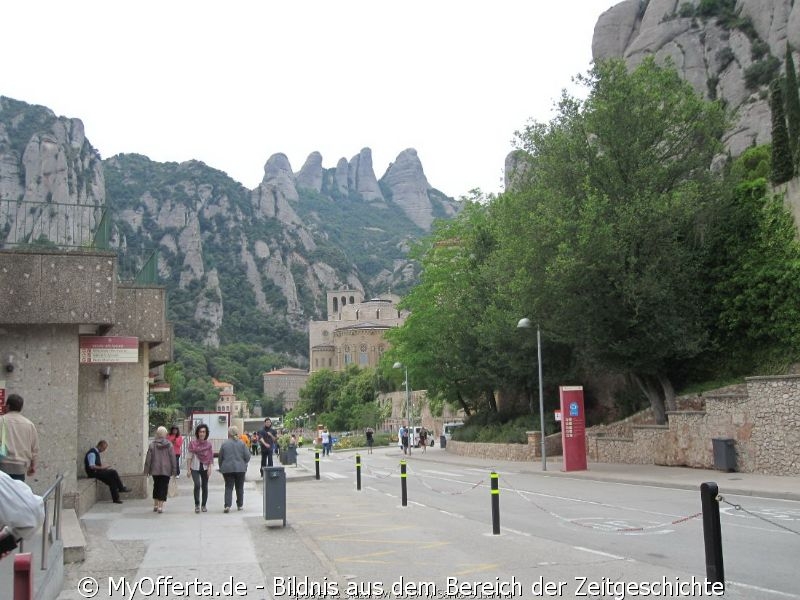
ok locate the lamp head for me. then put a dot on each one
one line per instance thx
(397, 365)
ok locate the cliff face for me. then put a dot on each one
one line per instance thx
(240, 265)
(726, 49)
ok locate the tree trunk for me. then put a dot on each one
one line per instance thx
(491, 401)
(467, 411)
(669, 392)
(654, 393)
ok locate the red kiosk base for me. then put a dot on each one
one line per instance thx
(573, 427)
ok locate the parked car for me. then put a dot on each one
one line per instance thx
(449, 428)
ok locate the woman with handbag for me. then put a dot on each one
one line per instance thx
(160, 464)
(200, 459)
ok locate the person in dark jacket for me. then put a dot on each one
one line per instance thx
(161, 464)
(233, 459)
(95, 468)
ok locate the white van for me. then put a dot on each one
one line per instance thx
(448, 429)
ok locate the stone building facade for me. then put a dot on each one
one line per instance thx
(354, 330)
(285, 383)
(228, 401)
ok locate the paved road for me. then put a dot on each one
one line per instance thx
(558, 530)
(558, 527)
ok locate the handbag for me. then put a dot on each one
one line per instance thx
(3, 444)
(173, 487)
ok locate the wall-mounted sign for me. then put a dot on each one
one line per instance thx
(99, 349)
(160, 387)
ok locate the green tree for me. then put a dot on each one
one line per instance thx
(615, 196)
(792, 103)
(782, 163)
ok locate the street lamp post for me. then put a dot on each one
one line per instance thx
(399, 365)
(525, 323)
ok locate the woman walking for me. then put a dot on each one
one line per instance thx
(233, 459)
(177, 445)
(200, 459)
(161, 465)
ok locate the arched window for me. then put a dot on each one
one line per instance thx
(352, 300)
(356, 315)
(378, 314)
(335, 305)
(344, 301)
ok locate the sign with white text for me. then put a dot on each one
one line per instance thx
(104, 349)
(573, 428)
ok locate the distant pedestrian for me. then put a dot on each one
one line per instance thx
(254, 445)
(370, 439)
(404, 439)
(233, 459)
(423, 439)
(161, 464)
(326, 442)
(267, 438)
(201, 462)
(21, 441)
(97, 470)
(177, 445)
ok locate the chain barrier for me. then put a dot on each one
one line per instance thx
(677, 521)
(721, 499)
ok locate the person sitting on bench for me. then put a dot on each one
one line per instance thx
(97, 470)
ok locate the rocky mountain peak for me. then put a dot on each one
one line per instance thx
(310, 175)
(406, 178)
(361, 177)
(725, 52)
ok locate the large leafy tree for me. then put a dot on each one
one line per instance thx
(613, 200)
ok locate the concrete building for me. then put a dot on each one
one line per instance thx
(81, 345)
(228, 401)
(354, 330)
(285, 383)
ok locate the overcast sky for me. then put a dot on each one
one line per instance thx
(231, 83)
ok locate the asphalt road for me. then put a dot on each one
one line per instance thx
(560, 537)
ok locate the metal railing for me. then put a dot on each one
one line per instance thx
(49, 224)
(51, 527)
(54, 225)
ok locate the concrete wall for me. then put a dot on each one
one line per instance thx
(46, 376)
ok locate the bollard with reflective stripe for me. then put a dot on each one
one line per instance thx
(403, 490)
(495, 503)
(316, 462)
(712, 532)
(23, 577)
(358, 471)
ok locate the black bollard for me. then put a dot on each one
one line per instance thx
(712, 532)
(316, 462)
(403, 490)
(495, 503)
(358, 471)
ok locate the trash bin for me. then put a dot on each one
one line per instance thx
(274, 479)
(442, 441)
(724, 454)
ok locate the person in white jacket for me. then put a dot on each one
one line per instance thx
(21, 513)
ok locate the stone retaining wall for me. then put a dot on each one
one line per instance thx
(762, 417)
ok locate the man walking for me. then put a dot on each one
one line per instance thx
(96, 469)
(21, 439)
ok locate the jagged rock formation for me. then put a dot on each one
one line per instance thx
(240, 265)
(731, 58)
(46, 161)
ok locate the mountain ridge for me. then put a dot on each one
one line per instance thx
(240, 264)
